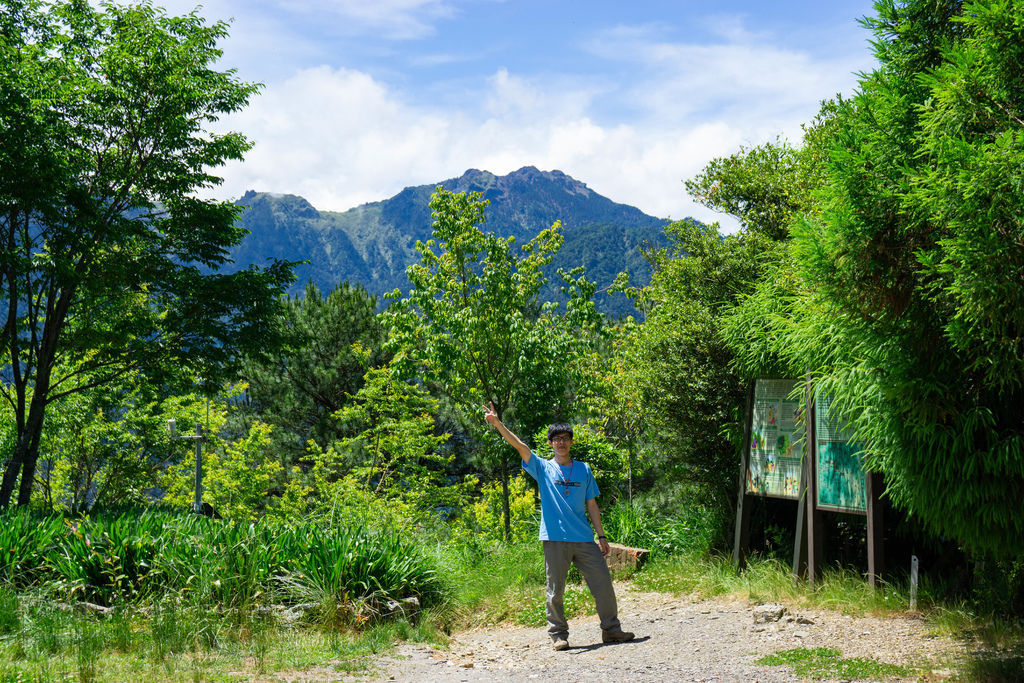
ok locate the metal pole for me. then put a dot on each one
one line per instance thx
(198, 505)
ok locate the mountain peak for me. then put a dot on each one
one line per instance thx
(290, 204)
(533, 175)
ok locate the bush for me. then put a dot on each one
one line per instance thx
(688, 529)
(482, 520)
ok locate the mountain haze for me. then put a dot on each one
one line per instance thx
(372, 244)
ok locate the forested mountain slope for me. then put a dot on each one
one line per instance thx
(372, 244)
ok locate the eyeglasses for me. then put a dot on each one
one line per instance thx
(562, 439)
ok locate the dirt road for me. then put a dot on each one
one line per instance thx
(678, 639)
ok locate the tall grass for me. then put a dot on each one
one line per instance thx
(25, 542)
(173, 641)
(155, 556)
(355, 575)
(687, 530)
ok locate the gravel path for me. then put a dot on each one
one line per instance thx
(678, 639)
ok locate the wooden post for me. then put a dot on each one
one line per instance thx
(814, 529)
(742, 537)
(876, 533)
(800, 537)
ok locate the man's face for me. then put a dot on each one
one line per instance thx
(560, 444)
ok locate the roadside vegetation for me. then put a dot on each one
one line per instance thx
(171, 596)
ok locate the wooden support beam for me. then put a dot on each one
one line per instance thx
(815, 538)
(742, 535)
(876, 529)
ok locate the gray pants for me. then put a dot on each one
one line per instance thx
(587, 557)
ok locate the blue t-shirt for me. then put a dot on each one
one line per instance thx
(564, 492)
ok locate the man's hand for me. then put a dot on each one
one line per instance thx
(605, 548)
(491, 415)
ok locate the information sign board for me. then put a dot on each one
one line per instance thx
(776, 440)
(840, 480)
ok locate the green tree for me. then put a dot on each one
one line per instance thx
(686, 356)
(684, 366)
(473, 325)
(299, 387)
(106, 252)
(237, 475)
(404, 455)
(617, 403)
(761, 186)
(909, 304)
(106, 445)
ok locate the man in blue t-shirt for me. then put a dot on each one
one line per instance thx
(568, 493)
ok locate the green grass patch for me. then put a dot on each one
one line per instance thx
(999, 667)
(182, 643)
(686, 530)
(690, 573)
(492, 583)
(151, 557)
(828, 663)
(768, 580)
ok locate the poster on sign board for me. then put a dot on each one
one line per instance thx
(840, 480)
(776, 440)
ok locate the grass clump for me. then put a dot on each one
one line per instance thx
(683, 530)
(164, 596)
(181, 642)
(489, 583)
(152, 557)
(689, 573)
(829, 663)
(768, 580)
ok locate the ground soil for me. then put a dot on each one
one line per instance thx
(677, 639)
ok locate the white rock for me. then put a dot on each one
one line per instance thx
(768, 613)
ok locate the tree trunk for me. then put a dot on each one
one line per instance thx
(11, 474)
(28, 445)
(26, 452)
(629, 451)
(30, 433)
(28, 475)
(506, 511)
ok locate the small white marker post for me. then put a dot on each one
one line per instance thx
(913, 582)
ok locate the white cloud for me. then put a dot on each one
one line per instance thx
(340, 137)
(743, 78)
(393, 19)
(390, 19)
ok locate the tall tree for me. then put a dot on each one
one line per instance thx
(298, 387)
(108, 259)
(473, 324)
(683, 365)
(685, 355)
(910, 300)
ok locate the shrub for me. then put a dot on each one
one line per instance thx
(483, 518)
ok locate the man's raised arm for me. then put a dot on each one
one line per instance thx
(492, 419)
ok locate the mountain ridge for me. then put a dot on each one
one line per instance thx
(374, 242)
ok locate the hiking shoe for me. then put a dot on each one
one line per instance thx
(618, 636)
(560, 643)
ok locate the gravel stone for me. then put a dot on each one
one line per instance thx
(704, 640)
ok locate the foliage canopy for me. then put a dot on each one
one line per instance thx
(107, 256)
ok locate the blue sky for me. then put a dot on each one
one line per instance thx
(365, 97)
